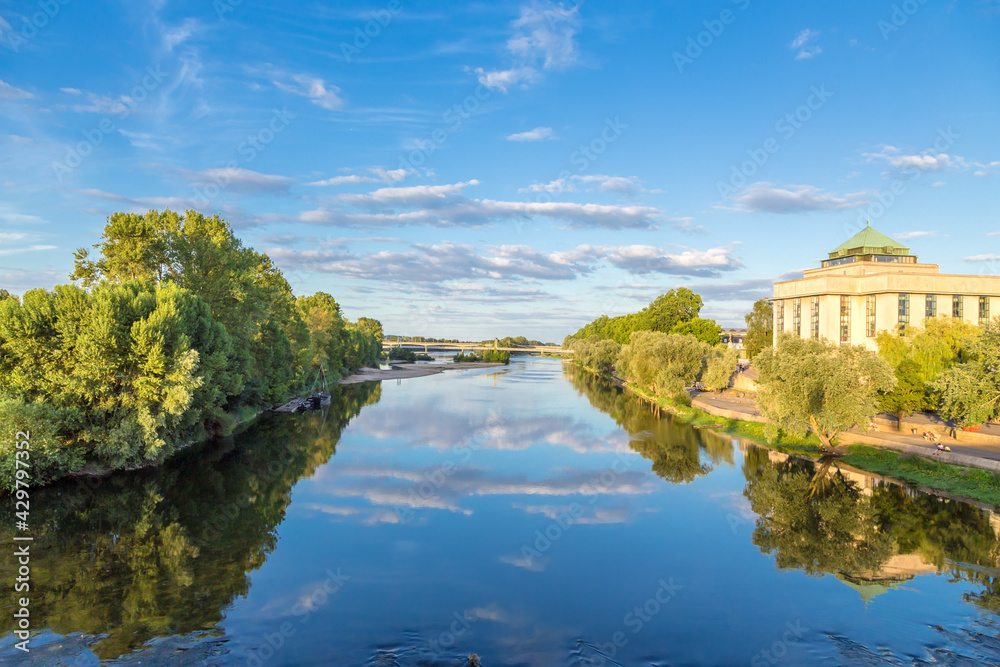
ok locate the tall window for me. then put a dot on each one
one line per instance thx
(957, 311)
(814, 317)
(984, 311)
(780, 327)
(797, 317)
(904, 312)
(870, 315)
(930, 309)
(845, 319)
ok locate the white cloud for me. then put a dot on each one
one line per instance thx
(414, 195)
(311, 87)
(688, 226)
(240, 180)
(377, 175)
(764, 197)
(983, 258)
(72, 91)
(546, 32)
(430, 264)
(31, 248)
(927, 162)
(914, 235)
(544, 37)
(140, 139)
(9, 92)
(20, 141)
(503, 79)
(537, 134)
(800, 43)
(104, 104)
(624, 185)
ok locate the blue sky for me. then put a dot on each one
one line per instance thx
(508, 168)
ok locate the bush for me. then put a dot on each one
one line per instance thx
(402, 354)
(51, 456)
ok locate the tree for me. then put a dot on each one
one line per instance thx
(662, 363)
(721, 364)
(810, 383)
(707, 331)
(662, 314)
(4, 294)
(970, 392)
(939, 345)
(374, 327)
(760, 328)
(910, 394)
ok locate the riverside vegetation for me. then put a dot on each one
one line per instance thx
(174, 333)
(811, 390)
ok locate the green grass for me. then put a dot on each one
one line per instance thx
(973, 483)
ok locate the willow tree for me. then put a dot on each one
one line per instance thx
(809, 383)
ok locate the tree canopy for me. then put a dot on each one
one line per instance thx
(663, 314)
(760, 328)
(176, 331)
(810, 383)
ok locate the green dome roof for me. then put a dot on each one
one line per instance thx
(870, 238)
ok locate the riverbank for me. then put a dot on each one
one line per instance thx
(399, 372)
(964, 480)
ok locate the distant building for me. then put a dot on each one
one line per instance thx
(733, 338)
(872, 283)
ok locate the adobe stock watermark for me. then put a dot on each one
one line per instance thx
(302, 611)
(363, 35)
(887, 197)
(779, 649)
(34, 23)
(635, 620)
(786, 128)
(900, 16)
(697, 43)
(92, 138)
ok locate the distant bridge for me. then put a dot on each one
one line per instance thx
(462, 347)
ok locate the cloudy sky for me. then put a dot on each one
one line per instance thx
(480, 169)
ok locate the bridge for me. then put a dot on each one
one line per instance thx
(462, 347)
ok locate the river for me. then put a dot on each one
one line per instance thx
(531, 515)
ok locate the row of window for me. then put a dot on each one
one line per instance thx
(903, 314)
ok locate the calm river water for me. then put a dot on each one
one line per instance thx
(528, 514)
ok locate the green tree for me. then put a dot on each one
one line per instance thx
(663, 314)
(4, 294)
(970, 392)
(939, 345)
(810, 383)
(662, 363)
(909, 395)
(707, 331)
(374, 327)
(720, 366)
(760, 328)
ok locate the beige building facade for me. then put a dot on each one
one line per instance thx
(872, 283)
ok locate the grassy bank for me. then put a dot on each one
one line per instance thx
(971, 483)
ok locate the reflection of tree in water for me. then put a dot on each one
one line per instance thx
(164, 551)
(842, 530)
(674, 449)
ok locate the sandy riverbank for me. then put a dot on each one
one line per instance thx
(410, 371)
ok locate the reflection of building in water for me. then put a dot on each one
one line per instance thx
(995, 522)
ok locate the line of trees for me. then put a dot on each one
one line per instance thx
(174, 333)
(675, 311)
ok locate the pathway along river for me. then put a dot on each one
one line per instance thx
(530, 514)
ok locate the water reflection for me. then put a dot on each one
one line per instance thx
(674, 449)
(164, 552)
(871, 535)
(452, 496)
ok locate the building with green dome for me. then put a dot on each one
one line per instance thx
(873, 283)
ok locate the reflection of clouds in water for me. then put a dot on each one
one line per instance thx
(588, 514)
(436, 488)
(428, 425)
(535, 564)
